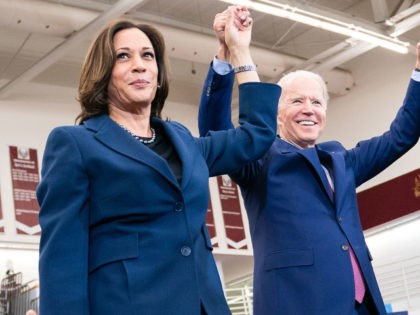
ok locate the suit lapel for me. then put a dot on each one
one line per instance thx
(340, 182)
(183, 151)
(338, 167)
(311, 155)
(117, 139)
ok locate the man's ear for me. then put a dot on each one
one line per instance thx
(278, 124)
(278, 117)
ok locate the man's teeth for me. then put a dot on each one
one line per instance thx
(306, 123)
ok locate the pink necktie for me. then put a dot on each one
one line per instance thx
(359, 285)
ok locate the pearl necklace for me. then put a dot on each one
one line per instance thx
(142, 139)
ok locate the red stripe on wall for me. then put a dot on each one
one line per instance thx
(390, 200)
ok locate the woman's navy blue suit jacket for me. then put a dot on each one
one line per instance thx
(120, 235)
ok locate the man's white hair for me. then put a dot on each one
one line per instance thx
(289, 77)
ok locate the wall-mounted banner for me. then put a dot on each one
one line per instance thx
(232, 214)
(390, 200)
(211, 225)
(25, 178)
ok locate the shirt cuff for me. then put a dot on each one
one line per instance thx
(221, 67)
(416, 75)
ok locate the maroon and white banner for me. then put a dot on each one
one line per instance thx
(211, 225)
(25, 178)
(232, 214)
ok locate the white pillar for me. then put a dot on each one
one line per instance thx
(219, 266)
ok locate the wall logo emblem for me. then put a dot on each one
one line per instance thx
(417, 186)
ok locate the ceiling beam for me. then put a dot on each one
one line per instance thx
(310, 63)
(405, 22)
(323, 11)
(143, 16)
(118, 9)
(406, 25)
(380, 10)
(351, 48)
(358, 48)
(404, 5)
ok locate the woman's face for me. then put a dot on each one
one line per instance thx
(133, 82)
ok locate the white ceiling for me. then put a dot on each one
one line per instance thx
(46, 40)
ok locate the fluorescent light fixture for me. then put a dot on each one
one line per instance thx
(348, 29)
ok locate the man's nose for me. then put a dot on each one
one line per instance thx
(307, 105)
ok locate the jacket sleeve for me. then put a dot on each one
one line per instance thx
(214, 112)
(227, 151)
(62, 195)
(372, 156)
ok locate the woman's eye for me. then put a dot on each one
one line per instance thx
(122, 56)
(149, 55)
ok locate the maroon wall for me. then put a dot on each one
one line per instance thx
(390, 200)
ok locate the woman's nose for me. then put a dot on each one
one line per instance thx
(138, 64)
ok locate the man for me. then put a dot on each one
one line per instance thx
(310, 256)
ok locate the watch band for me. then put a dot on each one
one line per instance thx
(245, 68)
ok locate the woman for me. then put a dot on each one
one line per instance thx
(124, 194)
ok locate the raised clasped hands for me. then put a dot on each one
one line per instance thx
(233, 30)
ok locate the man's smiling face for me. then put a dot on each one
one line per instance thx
(302, 112)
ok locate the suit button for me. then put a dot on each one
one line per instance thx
(179, 206)
(344, 247)
(185, 251)
(339, 219)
